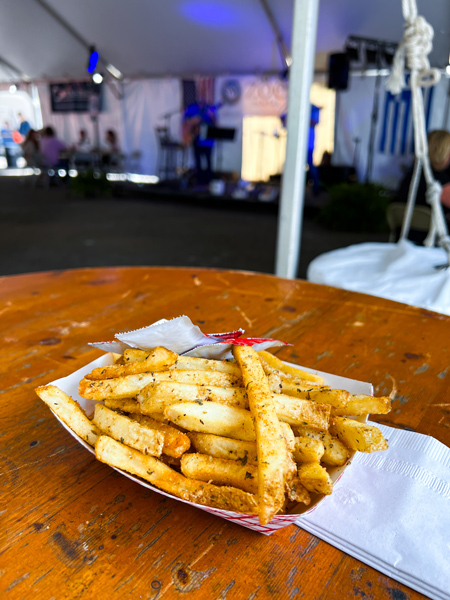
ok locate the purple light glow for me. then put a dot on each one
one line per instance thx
(210, 14)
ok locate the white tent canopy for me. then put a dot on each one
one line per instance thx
(144, 38)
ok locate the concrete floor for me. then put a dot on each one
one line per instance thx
(47, 229)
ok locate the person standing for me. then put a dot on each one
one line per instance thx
(24, 126)
(197, 117)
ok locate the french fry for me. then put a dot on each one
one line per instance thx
(175, 441)
(363, 405)
(315, 478)
(335, 453)
(211, 417)
(204, 364)
(297, 492)
(129, 432)
(288, 435)
(308, 450)
(157, 359)
(127, 405)
(155, 397)
(223, 447)
(220, 471)
(70, 412)
(294, 372)
(132, 355)
(301, 412)
(130, 385)
(270, 444)
(156, 472)
(358, 436)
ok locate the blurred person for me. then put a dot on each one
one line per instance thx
(111, 150)
(11, 147)
(439, 155)
(83, 144)
(196, 116)
(24, 126)
(31, 149)
(51, 147)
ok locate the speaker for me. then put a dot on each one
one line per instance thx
(338, 70)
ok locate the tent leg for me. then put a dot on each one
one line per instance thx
(298, 122)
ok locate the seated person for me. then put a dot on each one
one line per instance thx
(51, 147)
(439, 155)
(111, 150)
(83, 146)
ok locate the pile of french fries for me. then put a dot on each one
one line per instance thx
(250, 435)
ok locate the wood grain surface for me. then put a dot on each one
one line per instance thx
(71, 527)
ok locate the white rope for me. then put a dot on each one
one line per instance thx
(413, 51)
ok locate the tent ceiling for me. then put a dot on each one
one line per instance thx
(170, 37)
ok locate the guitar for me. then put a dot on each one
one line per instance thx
(191, 126)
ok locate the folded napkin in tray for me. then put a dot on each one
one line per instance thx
(391, 510)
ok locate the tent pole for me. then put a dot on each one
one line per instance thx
(298, 122)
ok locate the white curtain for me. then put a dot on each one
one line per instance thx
(145, 104)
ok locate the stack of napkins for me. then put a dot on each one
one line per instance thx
(391, 510)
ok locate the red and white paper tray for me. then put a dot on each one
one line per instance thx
(181, 336)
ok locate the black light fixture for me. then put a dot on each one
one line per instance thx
(352, 49)
(372, 50)
(389, 53)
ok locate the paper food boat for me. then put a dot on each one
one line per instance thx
(69, 385)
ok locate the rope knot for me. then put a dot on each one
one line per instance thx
(433, 193)
(413, 51)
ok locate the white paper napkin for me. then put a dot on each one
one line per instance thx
(391, 510)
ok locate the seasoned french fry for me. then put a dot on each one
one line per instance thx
(70, 412)
(204, 364)
(128, 431)
(130, 385)
(297, 492)
(270, 444)
(363, 405)
(211, 417)
(358, 436)
(315, 478)
(301, 412)
(156, 472)
(299, 387)
(288, 435)
(335, 453)
(175, 442)
(274, 362)
(223, 447)
(308, 450)
(157, 359)
(155, 397)
(220, 471)
(132, 355)
(128, 405)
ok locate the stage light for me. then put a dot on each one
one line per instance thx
(113, 71)
(447, 69)
(93, 60)
(97, 78)
(12, 89)
(21, 162)
(372, 53)
(389, 53)
(73, 173)
(62, 172)
(352, 50)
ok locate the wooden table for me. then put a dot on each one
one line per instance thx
(71, 527)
